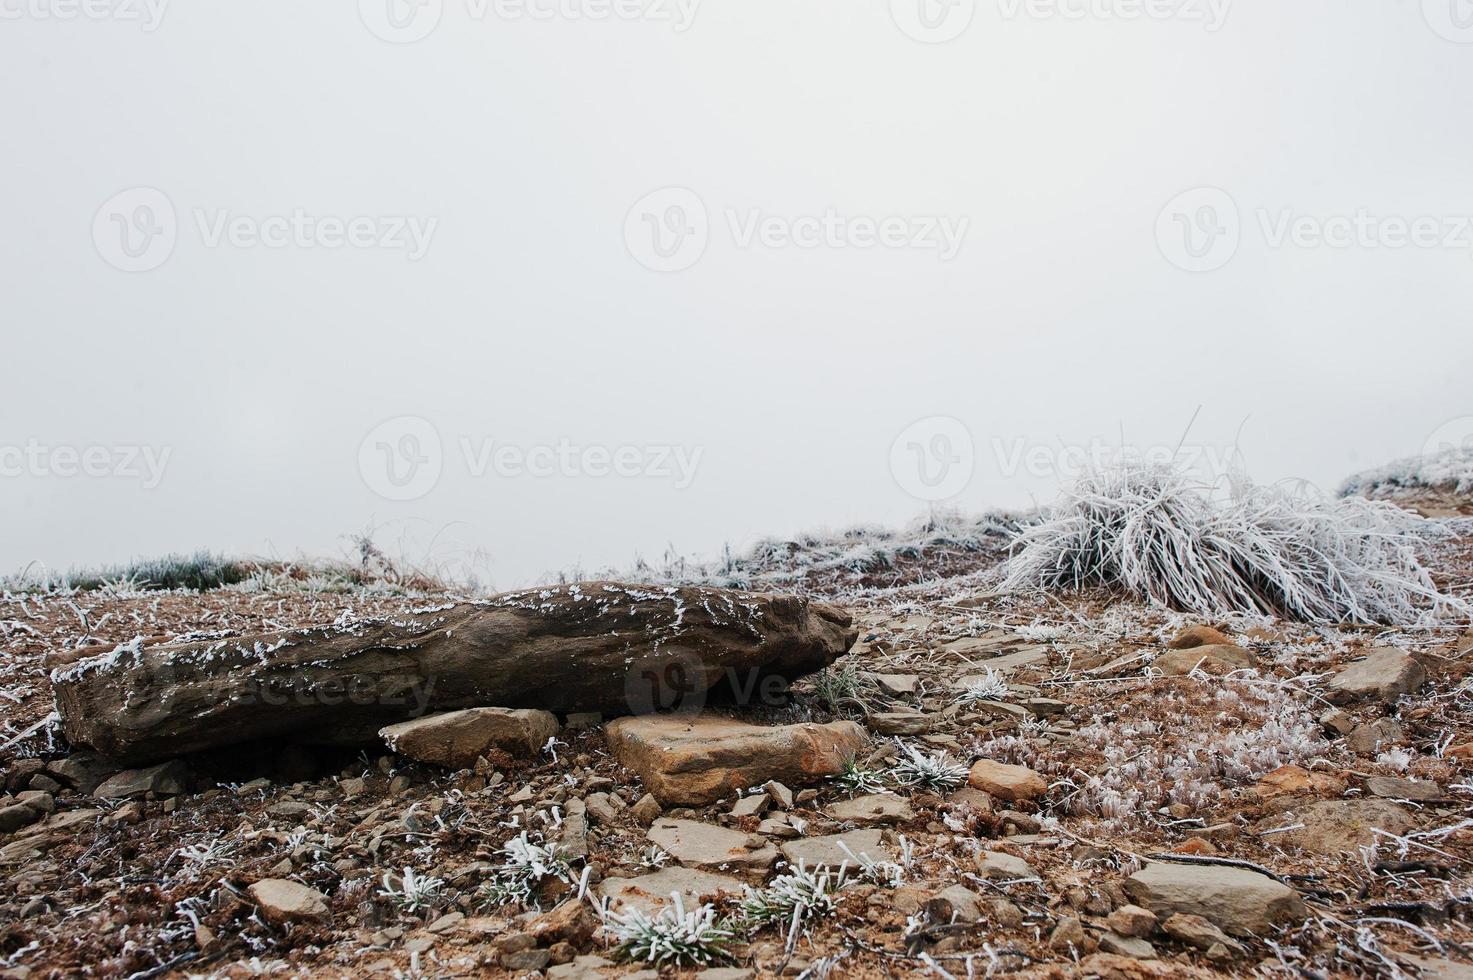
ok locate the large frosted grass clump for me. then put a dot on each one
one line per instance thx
(1288, 552)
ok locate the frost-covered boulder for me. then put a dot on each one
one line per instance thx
(593, 646)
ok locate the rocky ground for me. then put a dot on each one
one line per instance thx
(1043, 786)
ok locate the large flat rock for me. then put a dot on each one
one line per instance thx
(1236, 900)
(649, 892)
(707, 847)
(692, 760)
(592, 646)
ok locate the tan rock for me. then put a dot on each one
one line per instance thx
(873, 810)
(1238, 900)
(1333, 827)
(1219, 658)
(1198, 636)
(1005, 782)
(1385, 673)
(284, 901)
(699, 759)
(456, 739)
(837, 849)
(708, 847)
(1296, 779)
(1132, 920)
(649, 892)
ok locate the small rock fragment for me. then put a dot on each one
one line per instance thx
(1013, 783)
(288, 901)
(1385, 673)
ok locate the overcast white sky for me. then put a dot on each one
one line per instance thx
(739, 244)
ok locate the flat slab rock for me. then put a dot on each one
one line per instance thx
(830, 851)
(458, 738)
(1211, 658)
(649, 892)
(1238, 901)
(873, 810)
(707, 847)
(589, 646)
(693, 760)
(1333, 827)
(1385, 673)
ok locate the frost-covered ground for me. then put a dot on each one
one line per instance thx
(430, 873)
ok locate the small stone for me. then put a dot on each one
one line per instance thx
(571, 922)
(526, 960)
(1005, 913)
(581, 720)
(1332, 827)
(836, 849)
(1238, 900)
(649, 892)
(872, 811)
(588, 967)
(1068, 936)
(1046, 707)
(697, 760)
(897, 683)
(16, 816)
(1137, 949)
(1372, 737)
(456, 739)
(725, 973)
(288, 901)
(1196, 931)
(965, 904)
(165, 778)
(1132, 920)
(600, 808)
(900, 722)
(1384, 673)
(708, 847)
(1013, 783)
(446, 923)
(646, 811)
(1338, 720)
(971, 798)
(352, 787)
(751, 806)
(44, 783)
(82, 771)
(998, 865)
(778, 794)
(1393, 788)
(1198, 636)
(1215, 659)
